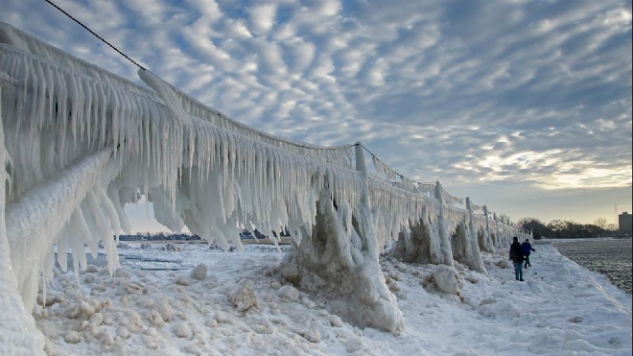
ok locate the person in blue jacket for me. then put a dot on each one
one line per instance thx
(527, 248)
(516, 255)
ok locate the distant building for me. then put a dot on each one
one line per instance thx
(625, 219)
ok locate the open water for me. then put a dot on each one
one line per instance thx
(610, 257)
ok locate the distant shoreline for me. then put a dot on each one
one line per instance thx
(264, 241)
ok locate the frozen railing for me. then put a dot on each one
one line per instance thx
(391, 177)
(341, 155)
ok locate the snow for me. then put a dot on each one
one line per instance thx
(199, 272)
(561, 309)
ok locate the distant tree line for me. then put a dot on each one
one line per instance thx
(161, 236)
(568, 229)
(166, 236)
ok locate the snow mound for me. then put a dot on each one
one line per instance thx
(243, 299)
(289, 293)
(446, 280)
(199, 272)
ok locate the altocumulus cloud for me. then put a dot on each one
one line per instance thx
(524, 93)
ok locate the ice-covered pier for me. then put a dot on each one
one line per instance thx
(78, 143)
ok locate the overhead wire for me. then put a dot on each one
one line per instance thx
(95, 34)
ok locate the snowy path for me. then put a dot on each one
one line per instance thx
(561, 309)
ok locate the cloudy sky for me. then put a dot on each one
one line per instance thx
(525, 106)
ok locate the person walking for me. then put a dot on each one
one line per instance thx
(527, 248)
(516, 255)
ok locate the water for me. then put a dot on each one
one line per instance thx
(610, 257)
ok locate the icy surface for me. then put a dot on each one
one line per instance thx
(561, 309)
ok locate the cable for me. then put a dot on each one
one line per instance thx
(378, 159)
(91, 31)
(400, 175)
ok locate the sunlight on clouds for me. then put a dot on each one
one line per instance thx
(520, 160)
(503, 139)
(566, 174)
(620, 18)
(589, 178)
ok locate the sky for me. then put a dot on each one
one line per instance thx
(523, 106)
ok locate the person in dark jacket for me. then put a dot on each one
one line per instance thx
(527, 248)
(516, 255)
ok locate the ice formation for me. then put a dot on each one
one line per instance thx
(18, 335)
(81, 143)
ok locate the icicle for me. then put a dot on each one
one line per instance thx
(62, 251)
(105, 234)
(79, 256)
(109, 209)
(166, 93)
(81, 230)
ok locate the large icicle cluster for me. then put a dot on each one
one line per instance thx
(341, 155)
(166, 142)
(398, 212)
(211, 178)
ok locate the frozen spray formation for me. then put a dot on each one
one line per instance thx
(78, 143)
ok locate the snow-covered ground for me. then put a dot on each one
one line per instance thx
(561, 309)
